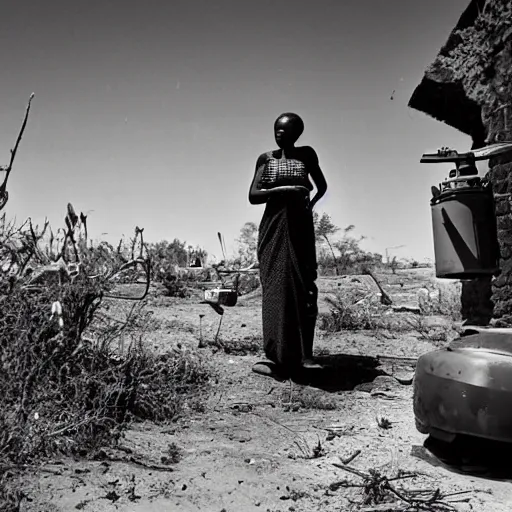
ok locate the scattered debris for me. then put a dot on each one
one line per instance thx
(306, 451)
(201, 341)
(350, 458)
(385, 299)
(416, 310)
(384, 423)
(173, 454)
(131, 490)
(112, 496)
(242, 407)
(136, 462)
(379, 494)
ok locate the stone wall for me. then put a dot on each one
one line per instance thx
(497, 116)
(477, 306)
(501, 178)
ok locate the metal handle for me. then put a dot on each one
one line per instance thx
(451, 155)
(499, 148)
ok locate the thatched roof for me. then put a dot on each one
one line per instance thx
(444, 98)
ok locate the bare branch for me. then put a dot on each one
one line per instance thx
(18, 140)
(4, 195)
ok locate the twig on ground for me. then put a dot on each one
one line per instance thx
(350, 458)
(138, 462)
(377, 488)
(216, 339)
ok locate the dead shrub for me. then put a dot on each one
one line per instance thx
(310, 399)
(442, 301)
(248, 283)
(73, 376)
(174, 285)
(239, 346)
(349, 311)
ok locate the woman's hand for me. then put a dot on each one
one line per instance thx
(290, 188)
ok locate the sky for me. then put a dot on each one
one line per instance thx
(152, 113)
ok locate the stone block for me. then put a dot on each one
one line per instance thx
(500, 293)
(500, 186)
(504, 222)
(505, 237)
(503, 308)
(500, 281)
(505, 251)
(498, 172)
(501, 206)
(504, 322)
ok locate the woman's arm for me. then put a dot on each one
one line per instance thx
(258, 196)
(317, 175)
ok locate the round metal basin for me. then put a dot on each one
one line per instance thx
(466, 388)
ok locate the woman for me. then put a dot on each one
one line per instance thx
(286, 249)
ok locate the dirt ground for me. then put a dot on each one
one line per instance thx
(263, 445)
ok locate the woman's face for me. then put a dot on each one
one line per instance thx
(286, 131)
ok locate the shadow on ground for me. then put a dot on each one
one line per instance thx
(341, 372)
(469, 456)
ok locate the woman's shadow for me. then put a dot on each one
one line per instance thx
(340, 372)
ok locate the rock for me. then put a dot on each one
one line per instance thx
(404, 308)
(384, 385)
(404, 377)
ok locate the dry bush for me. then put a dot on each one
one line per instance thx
(175, 286)
(305, 398)
(239, 346)
(248, 282)
(169, 383)
(349, 310)
(443, 301)
(438, 335)
(72, 376)
(169, 267)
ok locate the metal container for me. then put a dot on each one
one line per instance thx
(463, 215)
(221, 296)
(466, 388)
(464, 231)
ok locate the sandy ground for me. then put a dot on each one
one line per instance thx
(263, 445)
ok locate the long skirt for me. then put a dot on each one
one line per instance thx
(288, 270)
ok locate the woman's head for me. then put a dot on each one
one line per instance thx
(288, 127)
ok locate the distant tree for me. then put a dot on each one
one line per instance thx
(248, 244)
(393, 264)
(352, 257)
(324, 228)
(164, 254)
(195, 254)
(348, 247)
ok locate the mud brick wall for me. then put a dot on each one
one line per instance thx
(500, 175)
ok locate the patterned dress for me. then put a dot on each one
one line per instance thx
(287, 258)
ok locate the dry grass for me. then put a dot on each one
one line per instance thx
(442, 300)
(294, 399)
(240, 346)
(72, 375)
(349, 310)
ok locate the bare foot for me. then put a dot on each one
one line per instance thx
(269, 369)
(309, 364)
